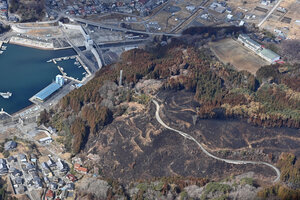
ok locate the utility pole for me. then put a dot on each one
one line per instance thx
(120, 81)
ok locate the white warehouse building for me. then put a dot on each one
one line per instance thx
(269, 55)
(248, 42)
(264, 53)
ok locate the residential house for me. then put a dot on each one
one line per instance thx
(45, 166)
(10, 145)
(37, 182)
(11, 158)
(64, 194)
(16, 173)
(80, 169)
(3, 169)
(22, 157)
(49, 195)
(33, 158)
(2, 161)
(46, 179)
(30, 167)
(61, 183)
(19, 181)
(51, 163)
(62, 166)
(71, 177)
(53, 186)
(21, 189)
(70, 186)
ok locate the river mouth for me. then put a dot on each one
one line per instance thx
(25, 71)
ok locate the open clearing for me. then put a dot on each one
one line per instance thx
(230, 51)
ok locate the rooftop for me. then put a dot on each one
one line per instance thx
(47, 91)
(269, 54)
(246, 38)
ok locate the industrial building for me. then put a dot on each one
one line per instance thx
(248, 42)
(50, 89)
(269, 55)
(218, 7)
(264, 53)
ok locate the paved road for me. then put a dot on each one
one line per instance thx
(268, 15)
(105, 26)
(236, 162)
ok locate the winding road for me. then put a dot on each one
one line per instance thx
(236, 162)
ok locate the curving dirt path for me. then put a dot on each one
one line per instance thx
(236, 162)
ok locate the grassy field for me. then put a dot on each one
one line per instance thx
(230, 51)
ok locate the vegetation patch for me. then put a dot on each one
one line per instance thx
(213, 187)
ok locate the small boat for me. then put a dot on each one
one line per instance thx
(79, 66)
(49, 61)
(66, 58)
(1, 52)
(3, 47)
(76, 63)
(83, 73)
(5, 95)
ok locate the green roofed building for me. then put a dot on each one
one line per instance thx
(269, 55)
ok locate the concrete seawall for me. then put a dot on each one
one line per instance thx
(31, 43)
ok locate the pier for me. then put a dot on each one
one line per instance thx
(2, 112)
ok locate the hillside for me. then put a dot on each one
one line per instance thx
(28, 10)
(112, 129)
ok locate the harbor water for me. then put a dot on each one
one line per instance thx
(25, 71)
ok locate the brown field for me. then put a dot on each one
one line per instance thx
(286, 22)
(230, 51)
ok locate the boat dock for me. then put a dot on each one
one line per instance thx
(62, 71)
(55, 60)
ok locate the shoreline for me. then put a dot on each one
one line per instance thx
(40, 48)
(32, 105)
(12, 40)
(30, 46)
(22, 110)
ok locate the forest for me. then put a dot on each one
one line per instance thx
(221, 91)
(290, 175)
(4, 28)
(28, 10)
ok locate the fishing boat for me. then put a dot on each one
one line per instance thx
(5, 95)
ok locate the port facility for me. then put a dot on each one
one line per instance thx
(49, 90)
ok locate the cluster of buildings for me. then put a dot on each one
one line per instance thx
(4, 14)
(221, 7)
(89, 7)
(26, 174)
(60, 184)
(3, 9)
(264, 53)
(267, 2)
